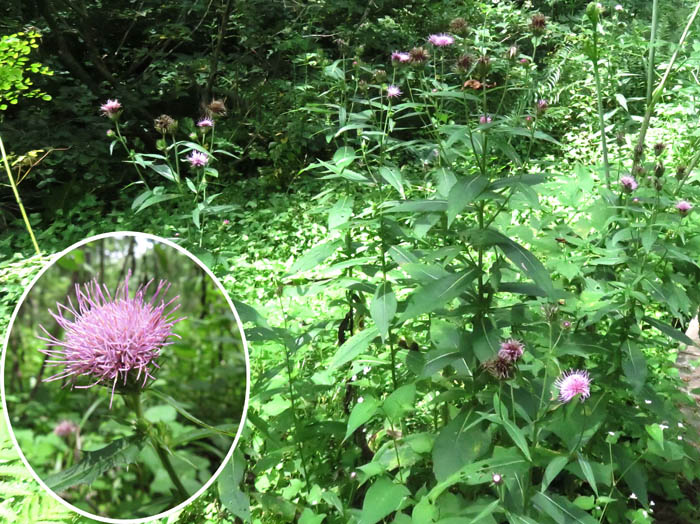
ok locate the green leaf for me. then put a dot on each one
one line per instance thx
(634, 365)
(182, 411)
(228, 485)
(400, 402)
(382, 498)
(354, 346)
(462, 194)
(588, 472)
(120, 452)
(519, 256)
(149, 198)
(361, 413)
(561, 510)
(343, 157)
(383, 308)
(461, 442)
(314, 256)
(670, 331)
(417, 206)
(163, 170)
(438, 293)
(340, 213)
(555, 466)
(394, 177)
(657, 433)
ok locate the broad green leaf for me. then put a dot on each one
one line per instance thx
(417, 206)
(162, 413)
(314, 256)
(340, 213)
(180, 408)
(634, 365)
(555, 466)
(120, 452)
(461, 442)
(437, 294)
(361, 413)
(394, 177)
(463, 193)
(228, 484)
(343, 157)
(519, 256)
(561, 510)
(486, 340)
(354, 346)
(670, 331)
(400, 402)
(163, 170)
(657, 433)
(382, 498)
(383, 308)
(151, 199)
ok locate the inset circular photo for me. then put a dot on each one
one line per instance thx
(125, 377)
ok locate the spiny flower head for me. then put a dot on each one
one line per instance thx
(542, 106)
(498, 367)
(511, 350)
(112, 108)
(393, 91)
(400, 56)
(112, 340)
(538, 23)
(205, 122)
(197, 159)
(684, 207)
(441, 40)
(419, 55)
(458, 25)
(572, 383)
(628, 183)
(217, 107)
(165, 124)
(485, 119)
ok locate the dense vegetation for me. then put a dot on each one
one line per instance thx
(460, 235)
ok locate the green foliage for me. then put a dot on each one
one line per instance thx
(14, 67)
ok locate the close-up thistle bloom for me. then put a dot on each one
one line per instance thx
(111, 340)
(197, 159)
(441, 40)
(419, 55)
(111, 109)
(684, 207)
(485, 119)
(498, 367)
(572, 383)
(393, 91)
(629, 184)
(400, 56)
(538, 23)
(205, 122)
(65, 428)
(511, 350)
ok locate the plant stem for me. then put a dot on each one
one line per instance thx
(19, 200)
(652, 49)
(135, 401)
(599, 97)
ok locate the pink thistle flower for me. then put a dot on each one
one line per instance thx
(65, 428)
(111, 109)
(226, 221)
(112, 340)
(511, 350)
(484, 119)
(684, 207)
(401, 57)
(628, 183)
(393, 91)
(573, 383)
(205, 122)
(524, 60)
(441, 40)
(197, 159)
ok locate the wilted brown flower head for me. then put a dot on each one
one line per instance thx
(165, 124)
(465, 63)
(538, 23)
(458, 25)
(498, 367)
(217, 107)
(419, 55)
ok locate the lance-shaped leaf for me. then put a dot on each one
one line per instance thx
(438, 293)
(314, 256)
(383, 308)
(354, 346)
(462, 194)
(394, 177)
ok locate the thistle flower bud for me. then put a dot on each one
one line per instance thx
(680, 172)
(419, 55)
(379, 75)
(639, 171)
(538, 23)
(659, 148)
(483, 64)
(659, 170)
(620, 139)
(638, 151)
(459, 26)
(542, 106)
(593, 12)
(217, 108)
(465, 63)
(165, 124)
(684, 207)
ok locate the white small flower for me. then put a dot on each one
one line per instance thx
(680, 425)
(647, 401)
(652, 503)
(360, 400)
(680, 437)
(663, 426)
(618, 7)
(633, 496)
(354, 378)
(353, 475)
(366, 370)
(645, 513)
(611, 433)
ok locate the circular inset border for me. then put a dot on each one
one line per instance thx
(228, 456)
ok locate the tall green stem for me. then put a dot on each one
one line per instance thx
(19, 200)
(652, 49)
(599, 96)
